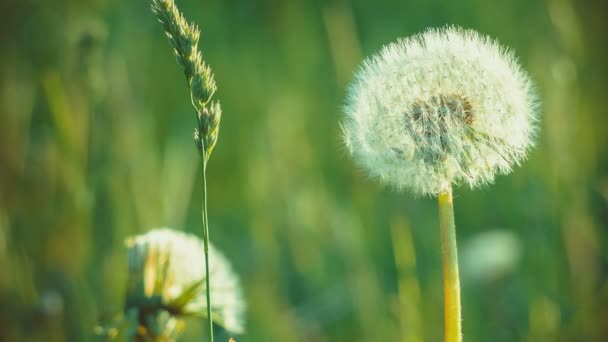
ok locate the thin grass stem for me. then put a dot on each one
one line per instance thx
(206, 242)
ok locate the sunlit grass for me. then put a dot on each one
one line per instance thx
(95, 146)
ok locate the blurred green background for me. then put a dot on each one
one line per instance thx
(96, 145)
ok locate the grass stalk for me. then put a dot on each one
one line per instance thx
(451, 282)
(184, 37)
(205, 224)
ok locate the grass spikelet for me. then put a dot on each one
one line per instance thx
(184, 37)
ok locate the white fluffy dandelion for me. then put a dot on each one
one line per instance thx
(169, 266)
(448, 106)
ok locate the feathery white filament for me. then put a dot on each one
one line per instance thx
(448, 106)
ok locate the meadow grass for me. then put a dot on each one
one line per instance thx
(94, 148)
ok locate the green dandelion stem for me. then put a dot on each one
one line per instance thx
(451, 283)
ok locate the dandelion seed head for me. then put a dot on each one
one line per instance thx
(447, 106)
(167, 263)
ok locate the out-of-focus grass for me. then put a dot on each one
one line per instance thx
(95, 145)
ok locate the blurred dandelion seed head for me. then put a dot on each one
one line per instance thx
(169, 266)
(490, 255)
(447, 106)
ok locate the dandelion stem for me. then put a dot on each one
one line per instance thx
(206, 242)
(451, 283)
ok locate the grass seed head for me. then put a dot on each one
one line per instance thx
(184, 38)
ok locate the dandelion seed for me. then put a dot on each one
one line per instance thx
(167, 272)
(448, 106)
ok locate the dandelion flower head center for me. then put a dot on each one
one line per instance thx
(430, 121)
